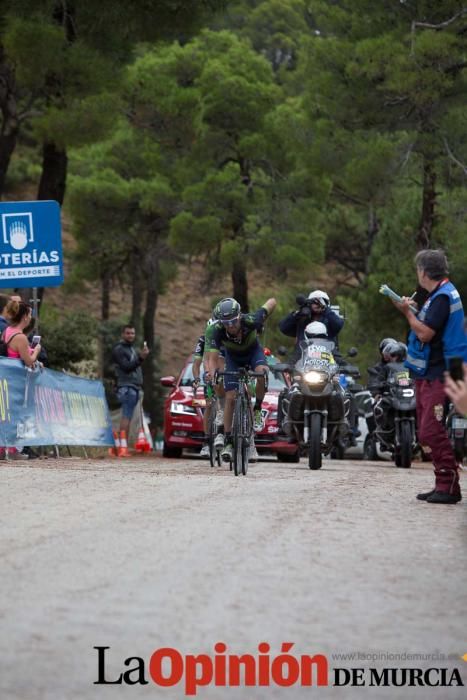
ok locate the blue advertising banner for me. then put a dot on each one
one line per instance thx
(30, 244)
(43, 407)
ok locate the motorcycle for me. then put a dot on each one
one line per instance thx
(313, 407)
(456, 426)
(347, 375)
(394, 413)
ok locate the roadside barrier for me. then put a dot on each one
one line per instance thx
(44, 407)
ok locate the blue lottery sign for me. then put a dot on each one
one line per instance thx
(30, 244)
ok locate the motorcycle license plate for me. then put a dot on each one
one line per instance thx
(459, 423)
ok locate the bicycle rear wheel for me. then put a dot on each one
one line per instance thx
(214, 456)
(237, 436)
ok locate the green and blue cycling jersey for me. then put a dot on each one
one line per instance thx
(242, 350)
(217, 335)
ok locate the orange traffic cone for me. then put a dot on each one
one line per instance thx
(123, 449)
(113, 451)
(142, 443)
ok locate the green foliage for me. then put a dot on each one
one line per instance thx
(69, 340)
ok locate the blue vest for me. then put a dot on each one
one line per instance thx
(454, 336)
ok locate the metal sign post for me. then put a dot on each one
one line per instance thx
(35, 309)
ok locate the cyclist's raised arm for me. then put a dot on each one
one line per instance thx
(270, 305)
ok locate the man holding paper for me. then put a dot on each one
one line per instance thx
(437, 334)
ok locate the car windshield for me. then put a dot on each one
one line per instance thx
(276, 381)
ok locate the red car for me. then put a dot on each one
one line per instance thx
(183, 418)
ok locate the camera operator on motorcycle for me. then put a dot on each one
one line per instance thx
(317, 307)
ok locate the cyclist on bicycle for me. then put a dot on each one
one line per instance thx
(198, 355)
(238, 334)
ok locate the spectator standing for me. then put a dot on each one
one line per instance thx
(127, 362)
(17, 316)
(436, 334)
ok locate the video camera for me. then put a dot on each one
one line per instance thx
(304, 303)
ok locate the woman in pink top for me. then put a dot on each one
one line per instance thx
(20, 314)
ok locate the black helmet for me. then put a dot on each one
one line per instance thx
(227, 310)
(384, 342)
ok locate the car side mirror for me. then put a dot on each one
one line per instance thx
(168, 381)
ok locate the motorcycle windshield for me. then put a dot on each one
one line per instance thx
(317, 354)
(398, 374)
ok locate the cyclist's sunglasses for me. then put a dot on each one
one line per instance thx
(231, 321)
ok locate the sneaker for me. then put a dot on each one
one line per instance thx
(252, 454)
(424, 496)
(219, 441)
(443, 497)
(220, 417)
(204, 451)
(227, 452)
(258, 420)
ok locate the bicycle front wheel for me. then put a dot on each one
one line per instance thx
(237, 436)
(247, 434)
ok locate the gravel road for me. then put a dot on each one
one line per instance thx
(151, 553)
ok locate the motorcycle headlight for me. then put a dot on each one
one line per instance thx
(177, 407)
(408, 393)
(315, 377)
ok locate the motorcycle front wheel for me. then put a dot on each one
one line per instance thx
(314, 454)
(404, 456)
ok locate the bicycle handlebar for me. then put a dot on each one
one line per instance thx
(241, 373)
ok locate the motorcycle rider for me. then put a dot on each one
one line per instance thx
(390, 350)
(316, 308)
(312, 331)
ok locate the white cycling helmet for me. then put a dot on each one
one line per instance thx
(320, 296)
(316, 329)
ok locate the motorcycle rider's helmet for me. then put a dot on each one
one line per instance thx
(321, 297)
(402, 351)
(316, 329)
(227, 310)
(384, 342)
(395, 351)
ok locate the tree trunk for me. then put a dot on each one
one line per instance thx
(151, 365)
(137, 289)
(240, 284)
(53, 180)
(105, 308)
(54, 170)
(425, 229)
(10, 125)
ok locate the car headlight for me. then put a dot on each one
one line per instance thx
(177, 407)
(315, 377)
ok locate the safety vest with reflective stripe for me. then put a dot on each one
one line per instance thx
(454, 336)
